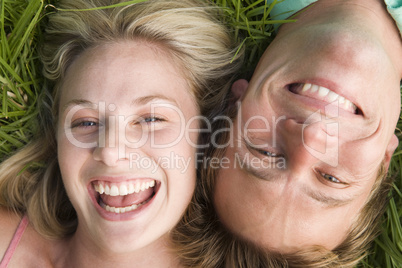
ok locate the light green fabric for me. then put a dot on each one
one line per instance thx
(287, 8)
(395, 9)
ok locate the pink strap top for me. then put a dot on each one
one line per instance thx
(14, 242)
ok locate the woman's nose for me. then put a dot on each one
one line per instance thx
(110, 149)
(118, 140)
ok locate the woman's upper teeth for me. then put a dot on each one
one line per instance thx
(324, 93)
(122, 189)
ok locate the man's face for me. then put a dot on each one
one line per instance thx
(313, 128)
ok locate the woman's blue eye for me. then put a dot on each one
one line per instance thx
(88, 124)
(330, 178)
(85, 124)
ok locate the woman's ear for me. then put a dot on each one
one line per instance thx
(239, 87)
(392, 145)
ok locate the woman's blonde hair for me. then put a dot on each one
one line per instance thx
(30, 180)
(202, 241)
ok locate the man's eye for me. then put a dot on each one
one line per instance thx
(330, 178)
(261, 149)
(267, 153)
(153, 119)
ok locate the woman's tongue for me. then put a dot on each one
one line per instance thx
(127, 200)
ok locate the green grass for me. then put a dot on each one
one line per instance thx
(386, 250)
(20, 76)
(251, 23)
(21, 83)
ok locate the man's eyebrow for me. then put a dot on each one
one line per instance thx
(328, 201)
(264, 174)
(149, 98)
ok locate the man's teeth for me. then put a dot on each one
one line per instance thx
(329, 95)
(123, 189)
(323, 91)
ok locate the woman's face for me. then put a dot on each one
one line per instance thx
(125, 149)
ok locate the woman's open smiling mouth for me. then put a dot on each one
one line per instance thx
(118, 198)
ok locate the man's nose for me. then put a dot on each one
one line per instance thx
(307, 144)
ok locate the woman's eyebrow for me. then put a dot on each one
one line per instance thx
(146, 99)
(137, 101)
(81, 102)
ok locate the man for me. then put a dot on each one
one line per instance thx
(315, 129)
(302, 181)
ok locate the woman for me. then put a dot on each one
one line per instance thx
(95, 188)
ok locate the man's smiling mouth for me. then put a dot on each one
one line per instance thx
(125, 196)
(324, 94)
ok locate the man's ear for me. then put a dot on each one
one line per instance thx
(392, 145)
(239, 87)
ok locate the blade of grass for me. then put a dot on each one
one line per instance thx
(105, 7)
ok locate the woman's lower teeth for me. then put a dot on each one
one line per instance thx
(122, 209)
